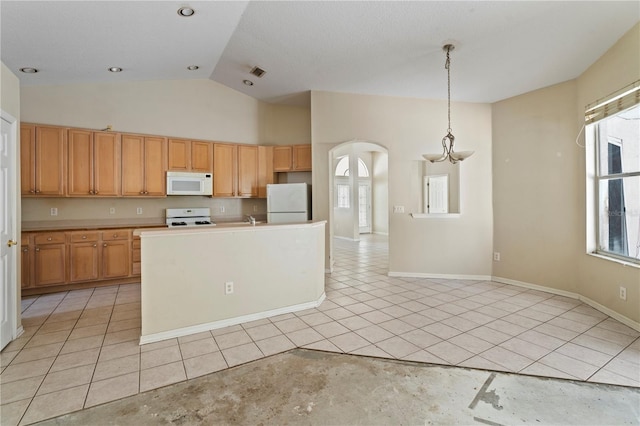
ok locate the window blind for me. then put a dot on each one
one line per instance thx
(616, 102)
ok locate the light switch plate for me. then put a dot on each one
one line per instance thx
(398, 209)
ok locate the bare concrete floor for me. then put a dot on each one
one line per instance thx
(319, 388)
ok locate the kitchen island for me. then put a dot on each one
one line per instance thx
(195, 280)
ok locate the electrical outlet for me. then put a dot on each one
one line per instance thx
(139, 210)
(228, 287)
(255, 208)
(221, 209)
(112, 210)
(496, 256)
(54, 211)
(623, 293)
(398, 209)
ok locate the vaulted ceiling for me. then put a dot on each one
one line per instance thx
(371, 47)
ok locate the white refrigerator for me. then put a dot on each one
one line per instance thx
(288, 203)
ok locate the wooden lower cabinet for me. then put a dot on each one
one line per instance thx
(50, 264)
(115, 259)
(26, 260)
(58, 259)
(84, 256)
(136, 256)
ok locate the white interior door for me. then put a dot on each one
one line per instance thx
(364, 207)
(437, 194)
(8, 248)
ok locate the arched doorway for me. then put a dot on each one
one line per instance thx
(358, 202)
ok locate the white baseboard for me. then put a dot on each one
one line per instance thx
(386, 234)
(345, 238)
(613, 314)
(185, 331)
(440, 276)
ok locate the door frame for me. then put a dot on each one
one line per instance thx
(13, 204)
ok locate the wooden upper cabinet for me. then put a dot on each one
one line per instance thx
(282, 158)
(201, 157)
(155, 166)
(94, 163)
(224, 170)
(190, 156)
(301, 158)
(179, 154)
(144, 166)
(247, 171)
(265, 169)
(43, 157)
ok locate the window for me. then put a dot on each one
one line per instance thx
(342, 196)
(342, 168)
(617, 184)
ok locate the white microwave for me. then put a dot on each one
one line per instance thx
(187, 183)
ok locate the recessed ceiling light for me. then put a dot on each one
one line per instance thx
(186, 12)
(248, 82)
(29, 70)
(115, 69)
(192, 67)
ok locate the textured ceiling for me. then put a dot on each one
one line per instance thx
(387, 48)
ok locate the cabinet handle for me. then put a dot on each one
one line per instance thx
(115, 235)
(105, 244)
(91, 192)
(96, 192)
(84, 237)
(32, 191)
(37, 249)
(95, 245)
(37, 191)
(24, 250)
(141, 192)
(49, 239)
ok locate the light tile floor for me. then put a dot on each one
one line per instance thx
(80, 348)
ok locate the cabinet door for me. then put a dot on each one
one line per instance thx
(50, 261)
(50, 161)
(265, 169)
(132, 165)
(224, 170)
(282, 158)
(115, 259)
(28, 159)
(80, 177)
(201, 157)
(179, 154)
(25, 262)
(106, 164)
(83, 261)
(247, 171)
(302, 158)
(155, 166)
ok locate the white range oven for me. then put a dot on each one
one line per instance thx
(194, 217)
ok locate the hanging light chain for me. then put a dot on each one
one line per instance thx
(447, 65)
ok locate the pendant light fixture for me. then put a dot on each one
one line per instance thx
(447, 142)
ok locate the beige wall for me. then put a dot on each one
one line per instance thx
(535, 187)
(273, 267)
(285, 124)
(10, 104)
(409, 128)
(380, 193)
(539, 185)
(599, 279)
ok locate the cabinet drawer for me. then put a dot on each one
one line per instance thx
(79, 237)
(50, 238)
(116, 234)
(24, 239)
(136, 270)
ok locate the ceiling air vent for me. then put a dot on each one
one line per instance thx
(258, 72)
